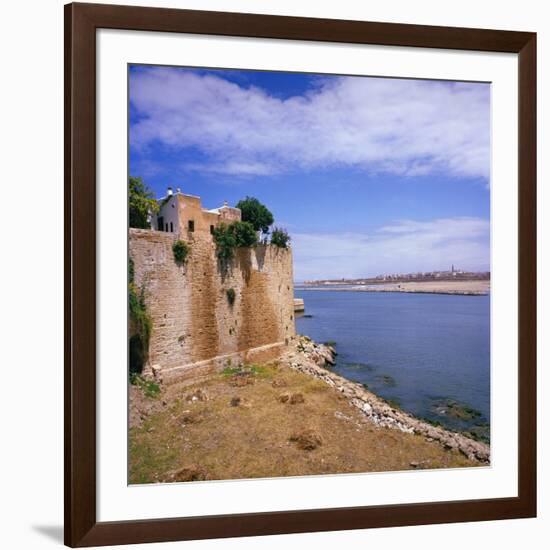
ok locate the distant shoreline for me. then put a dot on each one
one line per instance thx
(455, 288)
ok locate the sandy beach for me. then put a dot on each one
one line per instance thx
(469, 288)
(438, 287)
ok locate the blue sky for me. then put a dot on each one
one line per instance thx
(368, 175)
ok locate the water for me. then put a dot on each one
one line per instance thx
(423, 351)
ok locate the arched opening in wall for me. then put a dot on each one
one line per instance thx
(137, 354)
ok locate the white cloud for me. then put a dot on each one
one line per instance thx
(233, 168)
(409, 127)
(407, 246)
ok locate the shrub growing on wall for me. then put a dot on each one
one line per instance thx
(235, 235)
(180, 250)
(141, 322)
(130, 270)
(245, 235)
(256, 213)
(231, 295)
(225, 242)
(280, 238)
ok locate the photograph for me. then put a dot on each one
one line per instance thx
(309, 274)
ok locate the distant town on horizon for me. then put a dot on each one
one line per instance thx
(452, 274)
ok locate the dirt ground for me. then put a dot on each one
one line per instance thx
(269, 421)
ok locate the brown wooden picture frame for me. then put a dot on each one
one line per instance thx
(81, 23)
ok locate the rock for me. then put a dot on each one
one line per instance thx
(284, 397)
(296, 398)
(366, 408)
(189, 417)
(157, 372)
(328, 355)
(187, 473)
(420, 465)
(307, 440)
(239, 381)
(450, 444)
(197, 395)
(342, 416)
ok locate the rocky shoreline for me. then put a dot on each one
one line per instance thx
(316, 359)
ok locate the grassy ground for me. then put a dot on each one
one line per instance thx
(269, 421)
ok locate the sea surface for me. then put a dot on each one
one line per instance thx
(427, 353)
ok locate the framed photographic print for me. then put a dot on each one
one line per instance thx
(300, 274)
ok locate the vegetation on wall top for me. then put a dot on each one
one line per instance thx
(280, 238)
(228, 237)
(256, 213)
(261, 219)
(141, 203)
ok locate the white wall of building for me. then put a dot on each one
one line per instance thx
(169, 213)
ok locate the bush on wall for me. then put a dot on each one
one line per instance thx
(280, 238)
(181, 251)
(225, 242)
(231, 295)
(141, 322)
(245, 235)
(228, 237)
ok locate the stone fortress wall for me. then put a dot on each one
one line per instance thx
(195, 327)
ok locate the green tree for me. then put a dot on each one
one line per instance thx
(244, 232)
(280, 238)
(254, 212)
(235, 235)
(141, 203)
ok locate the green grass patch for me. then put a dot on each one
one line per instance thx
(261, 371)
(150, 388)
(153, 450)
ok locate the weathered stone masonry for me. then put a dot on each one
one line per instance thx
(195, 328)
